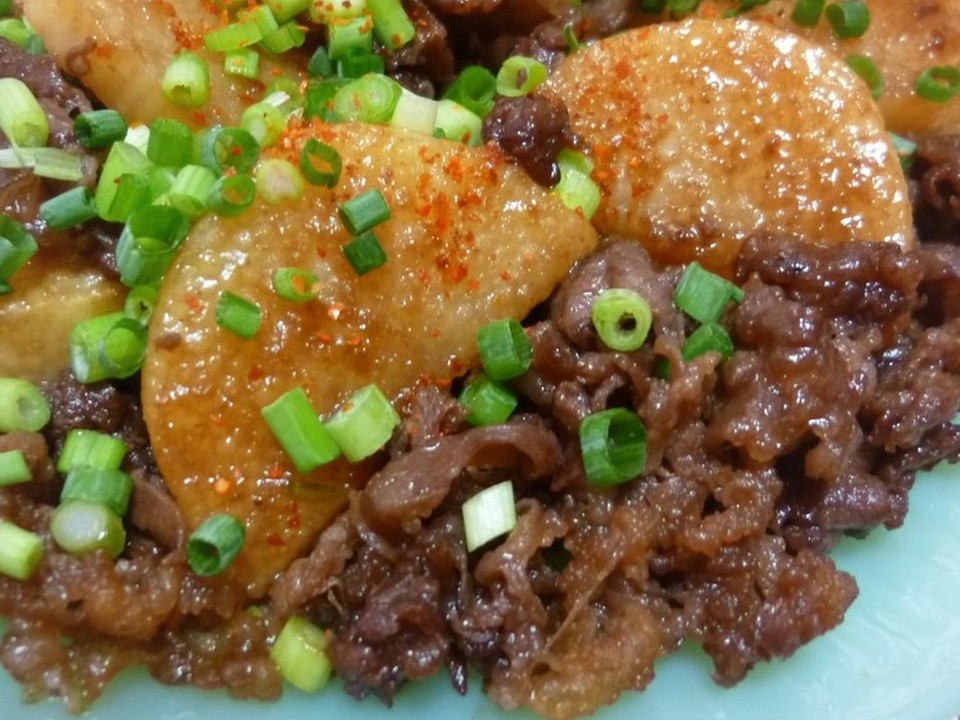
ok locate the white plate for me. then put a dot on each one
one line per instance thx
(896, 656)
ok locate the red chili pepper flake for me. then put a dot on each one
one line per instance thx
(506, 275)
(256, 373)
(355, 340)
(194, 303)
(275, 540)
(323, 338)
(275, 471)
(473, 284)
(222, 486)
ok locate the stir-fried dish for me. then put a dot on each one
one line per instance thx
(382, 338)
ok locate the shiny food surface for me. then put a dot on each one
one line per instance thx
(705, 132)
(121, 50)
(471, 239)
(904, 38)
(53, 292)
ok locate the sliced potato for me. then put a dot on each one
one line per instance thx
(904, 38)
(706, 132)
(471, 239)
(125, 47)
(52, 293)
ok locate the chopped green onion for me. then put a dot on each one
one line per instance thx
(868, 72)
(520, 75)
(391, 24)
(295, 284)
(16, 31)
(576, 188)
(140, 302)
(107, 346)
(474, 89)
(23, 408)
(284, 10)
(320, 163)
(806, 13)
(848, 18)
(318, 99)
(123, 159)
(299, 653)
(505, 349)
(148, 243)
(364, 423)
(215, 544)
(938, 84)
(278, 181)
(161, 180)
(170, 143)
(652, 6)
(415, 113)
(234, 36)
(13, 468)
(487, 402)
(709, 337)
(190, 190)
(299, 431)
(20, 551)
(104, 486)
(703, 295)
(365, 253)
(264, 122)
(679, 8)
(231, 195)
(89, 448)
(622, 319)
(331, 11)
(348, 36)
(186, 81)
(906, 149)
(228, 147)
(17, 246)
(490, 513)
(357, 65)
(614, 446)
(286, 37)
(261, 16)
(133, 193)
(99, 128)
(370, 99)
(320, 64)
(81, 527)
(69, 209)
(242, 63)
(238, 315)
(57, 164)
(22, 119)
(455, 122)
(570, 38)
(364, 211)
(139, 137)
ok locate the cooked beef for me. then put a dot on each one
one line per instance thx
(532, 129)
(936, 175)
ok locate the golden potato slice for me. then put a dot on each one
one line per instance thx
(904, 38)
(471, 239)
(705, 132)
(52, 293)
(123, 49)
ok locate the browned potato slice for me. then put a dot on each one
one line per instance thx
(708, 131)
(471, 239)
(904, 38)
(52, 293)
(125, 47)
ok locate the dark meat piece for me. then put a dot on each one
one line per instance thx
(532, 129)
(103, 406)
(935, 175)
